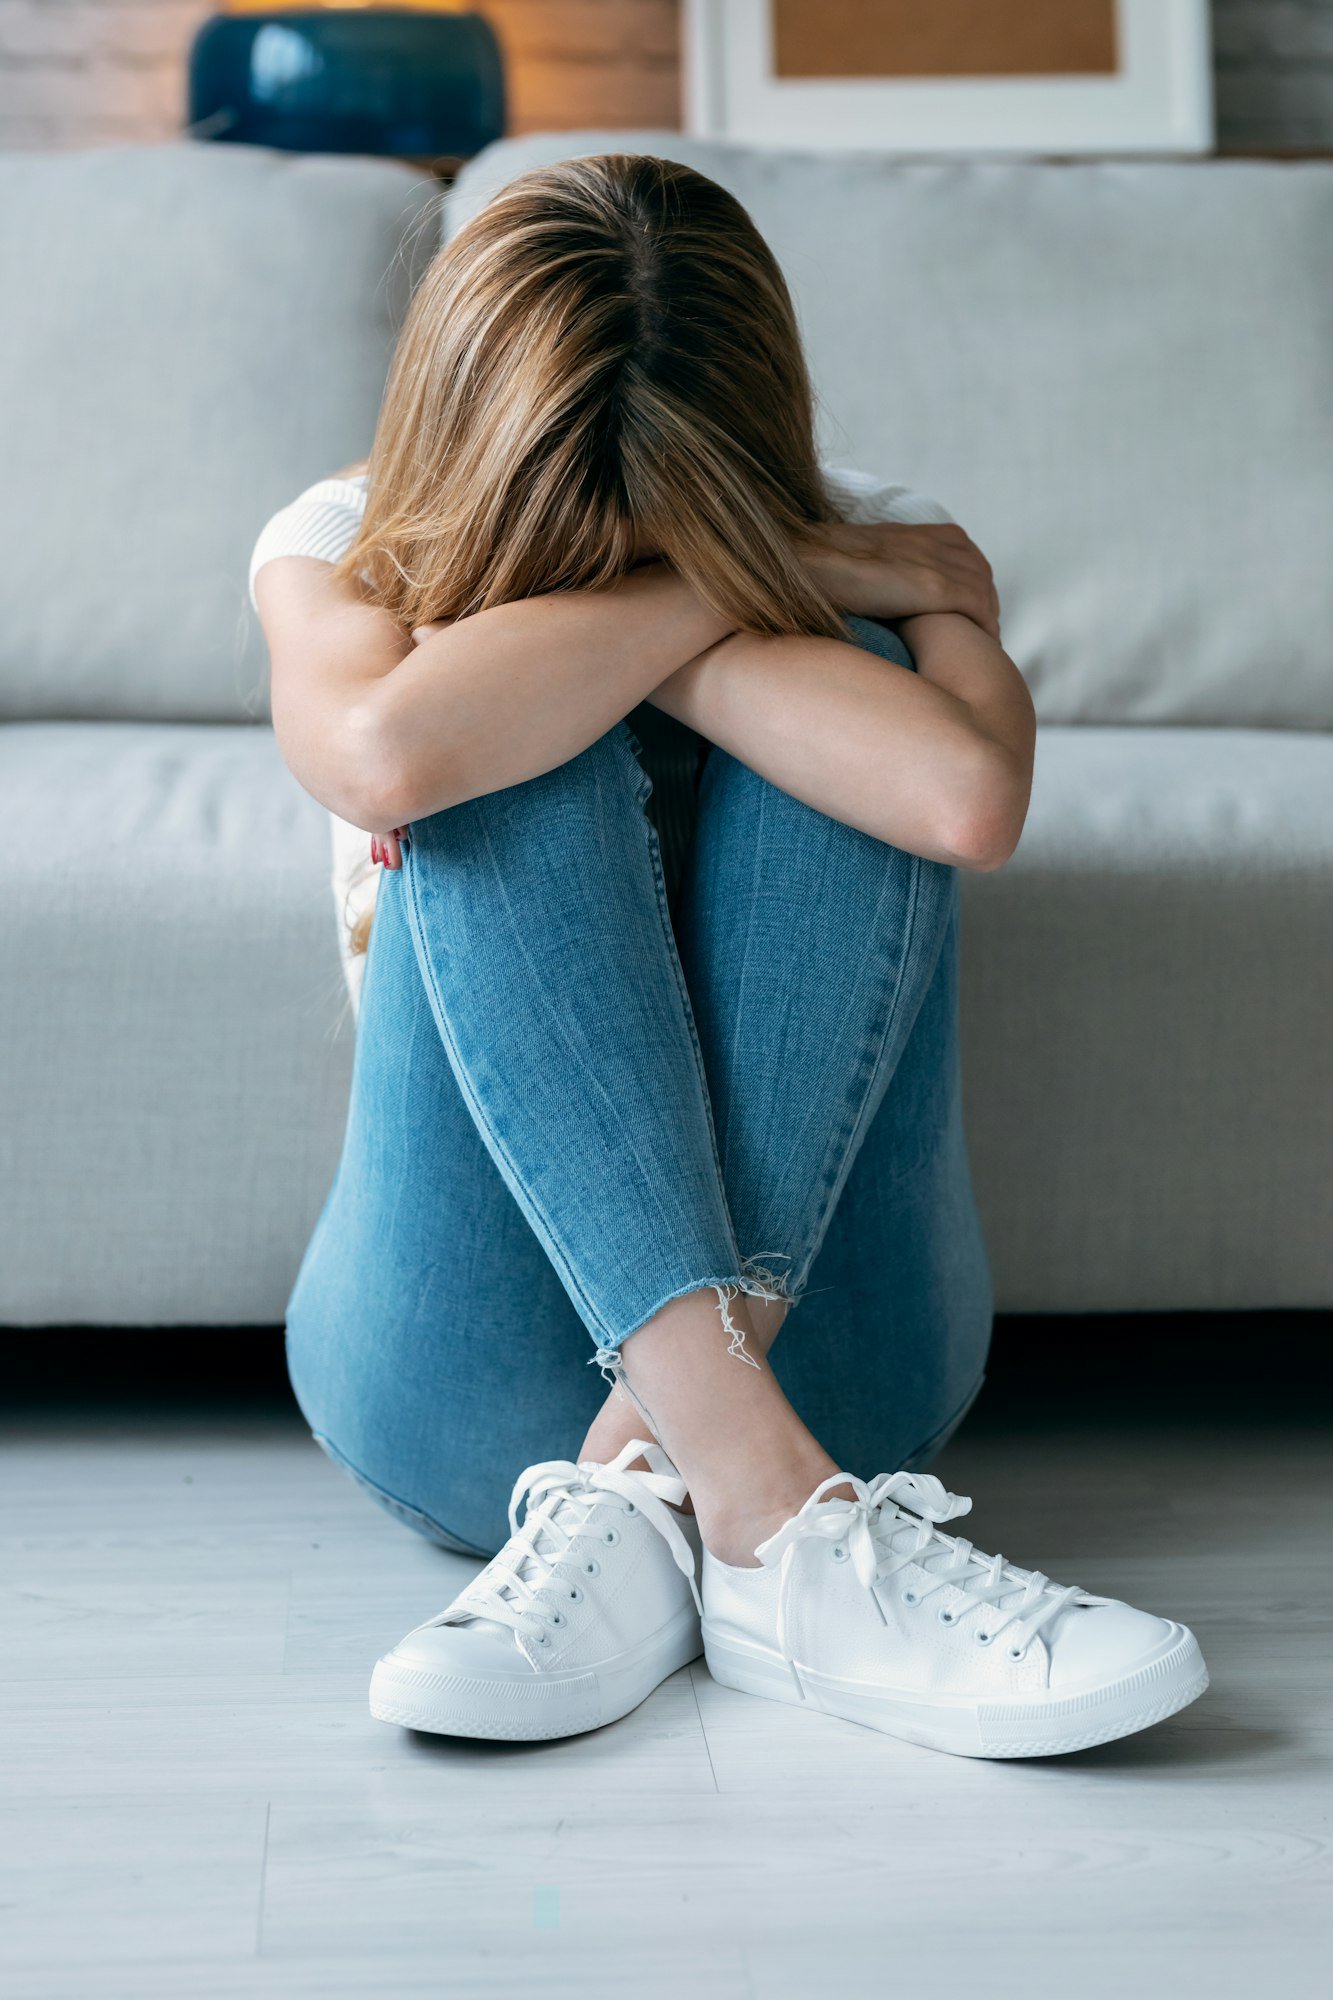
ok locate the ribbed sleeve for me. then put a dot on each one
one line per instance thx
(861, 497)
(321, 522)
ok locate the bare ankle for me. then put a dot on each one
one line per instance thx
(750, 1503)
(616, 1424)
(746, 1457)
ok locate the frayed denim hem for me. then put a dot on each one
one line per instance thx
(608, 1356)
(751, 1281)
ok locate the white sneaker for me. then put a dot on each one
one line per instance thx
(585, 1610)
(864, 1609)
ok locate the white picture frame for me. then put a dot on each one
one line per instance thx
(1159, 101)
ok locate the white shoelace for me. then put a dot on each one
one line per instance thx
(880, 1539)
(561, 1499)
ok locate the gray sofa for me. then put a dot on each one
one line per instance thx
(1115, 375)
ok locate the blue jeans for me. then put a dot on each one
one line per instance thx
(571, 1103)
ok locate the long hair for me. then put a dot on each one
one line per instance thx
(603, 364)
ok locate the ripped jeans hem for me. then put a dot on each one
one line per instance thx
(608, 1356)
(754, 1284)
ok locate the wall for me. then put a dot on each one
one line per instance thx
(1273, 61)
(84, 72)
(81, 72)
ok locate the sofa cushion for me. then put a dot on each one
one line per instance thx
(193, 333)
(1116, 375)
(1147, 1063)
(1148, 1067)
(174, 1032)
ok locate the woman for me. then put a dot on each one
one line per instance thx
(658, 1058)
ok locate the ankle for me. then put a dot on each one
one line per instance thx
(616, 1424)
(743, 1509)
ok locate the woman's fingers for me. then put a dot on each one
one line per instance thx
(894, 569)
(386, 849)
(966, 582)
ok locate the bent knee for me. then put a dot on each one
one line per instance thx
(433, 1507)
(570, 801)
(872, 637)
(419, 1467)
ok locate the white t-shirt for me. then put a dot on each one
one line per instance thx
(322, 522)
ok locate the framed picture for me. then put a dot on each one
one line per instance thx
(952, 76)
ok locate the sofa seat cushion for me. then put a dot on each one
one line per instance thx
(1145, 997)
(171, 1024)
(1147, 1058)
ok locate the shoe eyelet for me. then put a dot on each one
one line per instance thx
(592, 1567)
(542, 1638)
(839, 1553)
(556, 1617)
(910, 1597)
(575, 1594)
(984, 1638)
(946, 1617)
(1018, 1652)
(630, 1507)
(611, 1537)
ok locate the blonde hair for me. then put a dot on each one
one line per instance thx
(603, 362)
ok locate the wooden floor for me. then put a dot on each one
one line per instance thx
(194, 1800)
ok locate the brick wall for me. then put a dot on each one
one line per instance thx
(80, 72)
(85, 72)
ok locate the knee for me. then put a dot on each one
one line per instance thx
(882, 640)
(560, 808)
(435, 1512)
(397, 1438)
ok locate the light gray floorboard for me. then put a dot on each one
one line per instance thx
(194, 1801)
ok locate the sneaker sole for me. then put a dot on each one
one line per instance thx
(1049, 1726)
(540, 1707)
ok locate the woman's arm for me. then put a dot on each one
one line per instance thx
(938, 762)
(382, 731)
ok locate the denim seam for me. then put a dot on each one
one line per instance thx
(848, 1139)
(742, 1282)
(673, 955)
(687, 1007)
(501, 1151)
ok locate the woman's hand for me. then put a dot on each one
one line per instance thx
(386, 849)
(887, 569)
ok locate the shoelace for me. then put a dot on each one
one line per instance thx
(561, 1498)
(880, 1539)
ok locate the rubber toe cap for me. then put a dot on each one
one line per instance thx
(1098, 1643)
(479, 1647)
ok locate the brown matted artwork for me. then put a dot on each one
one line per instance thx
(944, 38)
